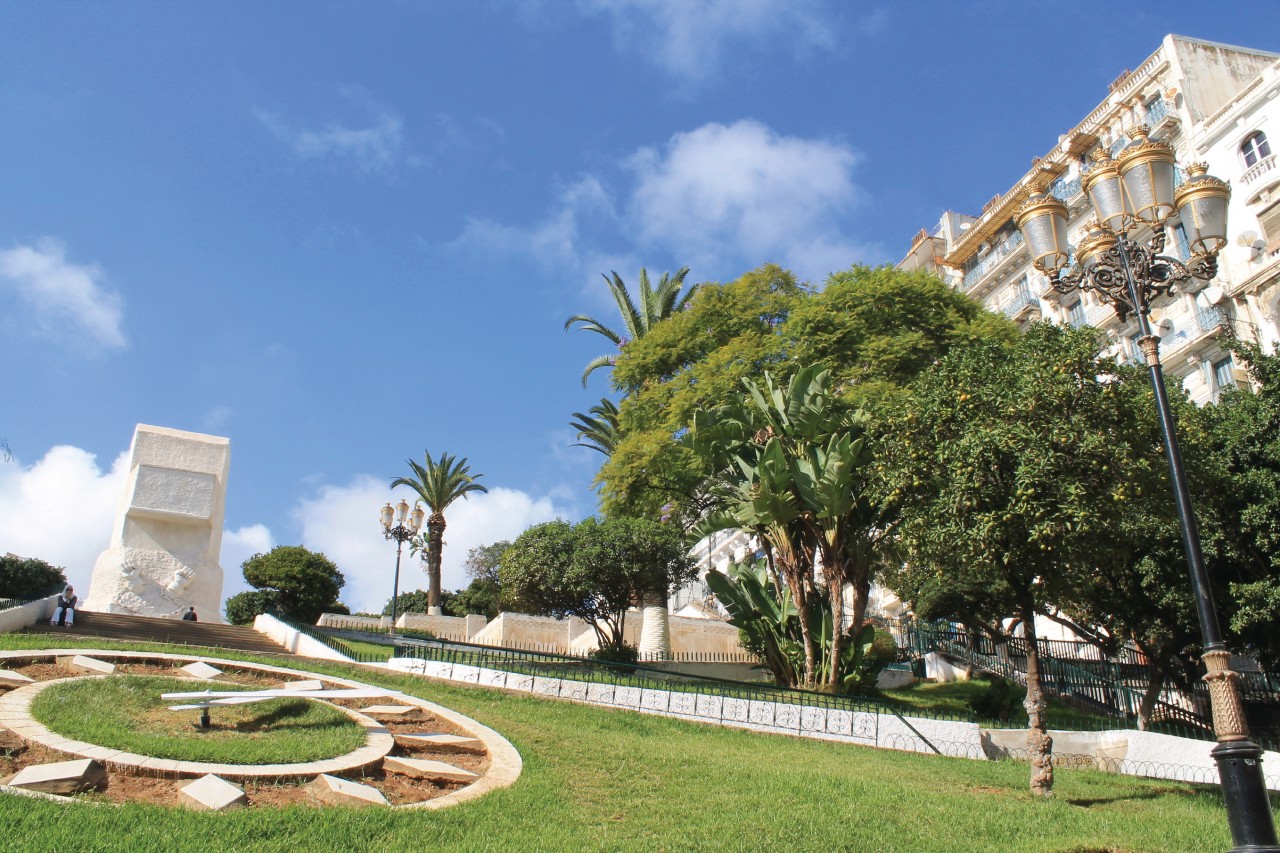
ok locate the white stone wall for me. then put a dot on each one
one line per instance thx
(294, 640)
(167, 534)
(26, 615)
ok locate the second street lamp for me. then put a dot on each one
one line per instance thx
(405, 527)
(1132, 197)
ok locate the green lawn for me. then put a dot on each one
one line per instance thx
(379, 650)
(126, 712)
(953, 697)
(615, 780)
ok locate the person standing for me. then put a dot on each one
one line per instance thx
(64, 612)
(190, 615)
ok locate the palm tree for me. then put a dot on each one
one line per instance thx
(656, 304)
(599, 427)
(439, 483)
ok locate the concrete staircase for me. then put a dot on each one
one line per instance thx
(146, 629)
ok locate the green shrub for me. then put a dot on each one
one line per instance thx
(998, 700)
(244, 607)
(29, 578)
(622, 653)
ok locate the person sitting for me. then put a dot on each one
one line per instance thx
(190, 615)
(64, 612)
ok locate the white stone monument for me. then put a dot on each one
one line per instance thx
(167, 534)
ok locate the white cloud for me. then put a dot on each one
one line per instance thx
(237, 546)
(342, 522)
(771, 197)
(553, 242)
(67, 299)
(688, 39)
(61, 509)
(217, 417)
(378, 147)
(720, 198)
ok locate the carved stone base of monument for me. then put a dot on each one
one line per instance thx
(167, 535)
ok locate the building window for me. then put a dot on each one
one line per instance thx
(1254, 148)
(1183, 245)
(1269, 222)
(1075, 313)
(1224, 374)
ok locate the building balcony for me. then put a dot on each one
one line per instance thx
(1257, 170)
(1191, 330)
(1024, 305)
(1159, 116)
(1065, 190)
(1263, 272)
(999, 253)
(1101, 316)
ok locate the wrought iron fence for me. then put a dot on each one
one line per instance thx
(576, 669)
(10, 603)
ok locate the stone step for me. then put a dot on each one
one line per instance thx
(61, 777)
(430, 771)
(331, 789)
(440, 742)
(119, 626)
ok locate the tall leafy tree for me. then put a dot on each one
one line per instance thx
(29, 577)
(639, 315)
(439, 483)
(595, 570)
(1244, 429)
(1014, 465)
(873, 328)
(302, 583)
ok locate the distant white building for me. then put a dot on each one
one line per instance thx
(1210, 102)
(719, 549)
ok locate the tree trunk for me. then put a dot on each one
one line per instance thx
(836, 594)
(1039, 744)
(1148, 704)
(435, 555)
(655, 629)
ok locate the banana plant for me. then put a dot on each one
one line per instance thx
(768, 622)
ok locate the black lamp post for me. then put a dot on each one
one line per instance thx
(406, 526)
(1134, 197)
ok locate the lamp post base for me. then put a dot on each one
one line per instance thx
(1245, 791)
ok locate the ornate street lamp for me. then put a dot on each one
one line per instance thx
(406, 526)
(1133, 197)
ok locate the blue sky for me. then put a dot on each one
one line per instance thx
(341, 233)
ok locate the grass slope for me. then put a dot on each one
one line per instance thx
(614, 780)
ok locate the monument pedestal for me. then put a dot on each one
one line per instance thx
(167, 536)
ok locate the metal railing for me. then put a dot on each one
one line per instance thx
(1065, 190)
(10, 603)
(1097, 687)
(1021, 300)
(998, 253)
(320, 636)
(586, 670)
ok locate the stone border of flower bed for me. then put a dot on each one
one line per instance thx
(505, 764)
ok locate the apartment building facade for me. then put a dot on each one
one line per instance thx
(1212, 103)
